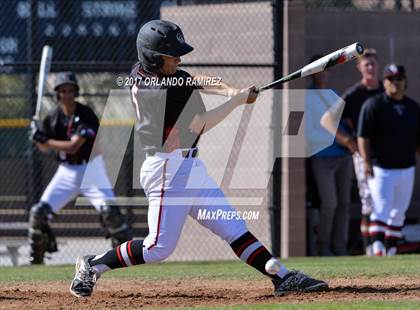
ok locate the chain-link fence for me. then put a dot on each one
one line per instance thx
(236, 40)
(96, 40)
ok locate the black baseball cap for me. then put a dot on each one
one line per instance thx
(393, 70)
(65, 78)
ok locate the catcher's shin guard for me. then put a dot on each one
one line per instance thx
(41, 237)
(115, 225)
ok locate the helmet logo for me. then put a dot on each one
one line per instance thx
(180, 38)
(393, 68)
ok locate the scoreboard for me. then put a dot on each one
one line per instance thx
(78, 30)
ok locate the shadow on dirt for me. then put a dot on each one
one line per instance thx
(370, 289)
(12, 298)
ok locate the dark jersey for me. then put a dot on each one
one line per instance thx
(164, 111)
(84, 123)
(393, 128)
(354, 97)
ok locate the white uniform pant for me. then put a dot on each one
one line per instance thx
(67, 185)
(176, 187)
(391, 191)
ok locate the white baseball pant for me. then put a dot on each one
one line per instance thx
(391, 191)
(176, 187)
(66, 185)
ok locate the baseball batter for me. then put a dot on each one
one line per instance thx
(388, 135)
(176, 183)
(70, 130)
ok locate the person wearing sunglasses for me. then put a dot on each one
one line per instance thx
(388, 136)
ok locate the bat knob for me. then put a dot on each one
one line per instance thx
(359, 48)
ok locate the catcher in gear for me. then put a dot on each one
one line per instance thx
(170, 121)
(70, 130)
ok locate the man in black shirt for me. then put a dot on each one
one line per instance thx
(368, 86)
(388, 135)
(171, 120)
(70, 130)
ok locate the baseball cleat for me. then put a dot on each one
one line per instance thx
(85, 278)
(391, 251)
(296, 281)
(378, 248)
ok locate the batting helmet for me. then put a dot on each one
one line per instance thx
(66, 78)
(160, 37)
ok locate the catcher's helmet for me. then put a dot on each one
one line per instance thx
(65, 78)
(160, 37)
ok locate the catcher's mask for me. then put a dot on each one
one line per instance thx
(65, 78)
(160, 37)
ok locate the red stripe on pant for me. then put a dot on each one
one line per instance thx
(120, 259)
(162, 193)
(377, 233)
(395, 228)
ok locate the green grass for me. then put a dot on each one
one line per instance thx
(328, 267)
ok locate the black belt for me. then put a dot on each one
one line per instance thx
(74, 162)
(185, 153)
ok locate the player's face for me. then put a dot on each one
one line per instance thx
(395, 86)
(67, 93)
(170, 64)
(368, 67)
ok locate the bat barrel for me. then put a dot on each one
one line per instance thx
(353, 50)
(359, 48)
(340, 56)
(43, 72)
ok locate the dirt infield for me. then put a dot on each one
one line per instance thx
(113, 294)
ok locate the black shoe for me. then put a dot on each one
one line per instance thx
(36, 259)
(85, 278)
(296, 281)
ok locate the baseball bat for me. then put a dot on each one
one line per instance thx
(43, 73)
(340, 56)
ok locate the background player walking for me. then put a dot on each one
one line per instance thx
(70, 130)
(175, 181)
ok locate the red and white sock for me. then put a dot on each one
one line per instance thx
(377, 235)
(252, 252)
(392, 236)
(129, 253)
